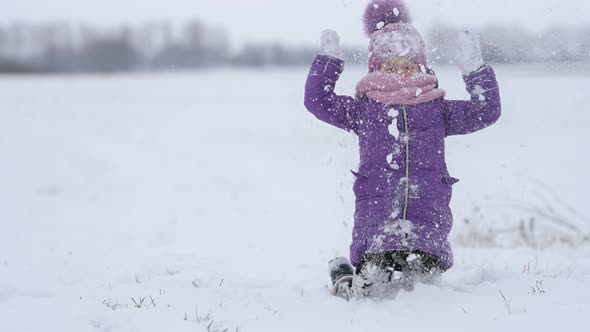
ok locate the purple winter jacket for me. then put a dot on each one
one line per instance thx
(403, 188)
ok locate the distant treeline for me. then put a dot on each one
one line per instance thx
(513, 44)
(66, 48)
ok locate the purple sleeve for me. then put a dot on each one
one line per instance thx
(484, 108)
(322, 101)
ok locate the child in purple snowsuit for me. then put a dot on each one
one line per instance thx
(403, 188)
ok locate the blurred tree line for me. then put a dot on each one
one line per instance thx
(66, 48)
(513, 44)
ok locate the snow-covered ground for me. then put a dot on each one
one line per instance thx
(218, 200)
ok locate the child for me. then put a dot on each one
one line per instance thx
(402, 187)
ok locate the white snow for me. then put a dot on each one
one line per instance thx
(394, 43)
(393, 163)
(116, 189)
(405, 139)
(479, 91)
(389, 158)
(393, 113)
(399, 227)
(393, 130)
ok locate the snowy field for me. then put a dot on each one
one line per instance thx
(213, 201)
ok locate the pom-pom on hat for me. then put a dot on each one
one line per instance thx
(388, 23)
(380, 13)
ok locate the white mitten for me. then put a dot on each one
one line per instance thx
(468, 56)
(331, 44)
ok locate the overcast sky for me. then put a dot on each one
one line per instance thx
(297, 21)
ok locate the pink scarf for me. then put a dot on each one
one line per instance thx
(391, 89)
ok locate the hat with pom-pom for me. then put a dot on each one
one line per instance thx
(388, 23)
(379, 13)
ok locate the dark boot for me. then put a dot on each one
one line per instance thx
(403, 268)
(424, 267)
(377, 273)
(342, 275)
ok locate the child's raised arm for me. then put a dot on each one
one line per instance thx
(484, 108)
(320, 98)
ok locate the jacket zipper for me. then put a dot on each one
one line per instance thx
(407, 189)
(407, 142)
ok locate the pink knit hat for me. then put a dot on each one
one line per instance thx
(388, 23)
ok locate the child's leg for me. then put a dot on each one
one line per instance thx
(376, 272)
(380, 269)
